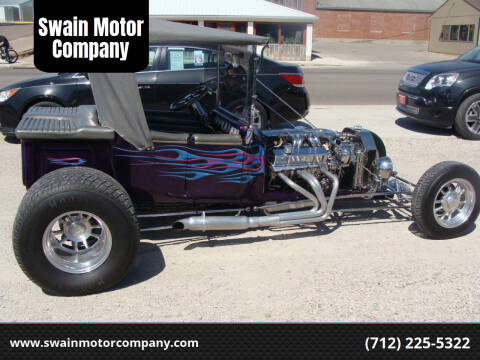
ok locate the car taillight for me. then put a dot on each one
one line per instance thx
(294, 79)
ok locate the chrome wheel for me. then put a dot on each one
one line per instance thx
(454, 203)
(472, 118)
(77, 242)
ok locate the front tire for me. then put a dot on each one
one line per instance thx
(445, 203)
(75, 232)
(467, 121)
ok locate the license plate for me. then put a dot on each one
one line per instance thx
(402, 99)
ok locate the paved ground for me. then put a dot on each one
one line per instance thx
(369, 268)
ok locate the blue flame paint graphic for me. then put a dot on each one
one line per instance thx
(73, 161)
(232, 165)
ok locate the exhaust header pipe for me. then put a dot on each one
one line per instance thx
(319, 211)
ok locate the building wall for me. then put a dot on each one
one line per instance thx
(454, 12)
(368, 24)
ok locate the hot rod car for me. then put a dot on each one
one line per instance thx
(95, 173)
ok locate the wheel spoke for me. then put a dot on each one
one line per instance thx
(68, 242)
(472, 117)
(476, 108)
(476, 127)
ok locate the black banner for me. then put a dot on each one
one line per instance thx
(82, 36)
(220, 341)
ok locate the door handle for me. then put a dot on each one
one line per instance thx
(144, 86)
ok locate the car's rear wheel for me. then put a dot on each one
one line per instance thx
(76, 232)
(467, 121)
(260, 118)
(445, 203)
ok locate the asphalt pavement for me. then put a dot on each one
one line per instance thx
(325, 85)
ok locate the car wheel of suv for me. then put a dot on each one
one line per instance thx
(445, 202)
(261, 116)
(76, 232)
(467, 121)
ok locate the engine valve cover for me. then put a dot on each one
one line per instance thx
(292, 158)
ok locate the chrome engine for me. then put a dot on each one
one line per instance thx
(351, 155)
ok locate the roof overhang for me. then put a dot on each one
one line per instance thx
(259, 18)
(167, 32)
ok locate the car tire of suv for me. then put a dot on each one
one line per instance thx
(444, 187)
(82, 203)
(460, 125)
(237, 107)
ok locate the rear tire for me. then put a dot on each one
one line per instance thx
(467, 121)
(75, 232)
(261, 118)
(445, 202)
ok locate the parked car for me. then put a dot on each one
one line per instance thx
(97, 174)
(444, 94)
(172, 71)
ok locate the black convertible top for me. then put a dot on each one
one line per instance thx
(116, 96)
(167, 32)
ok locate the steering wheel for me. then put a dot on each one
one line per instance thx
(189, 98)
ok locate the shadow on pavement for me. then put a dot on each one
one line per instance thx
(148, 263)
(412, 125)
(413, 228)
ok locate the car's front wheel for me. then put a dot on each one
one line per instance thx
(75, 232)
(446, 203)
(467, 121)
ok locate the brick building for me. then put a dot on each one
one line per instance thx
(369, 19)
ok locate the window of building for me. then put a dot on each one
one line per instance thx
(454, 32)
(268, 30)
(471, 33)
(292, 34)
(445, 34)
(241, 27)
(464, 33)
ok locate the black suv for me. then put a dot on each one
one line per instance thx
(444, 94)
(172, 72)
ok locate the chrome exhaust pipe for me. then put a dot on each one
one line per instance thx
(319, 211)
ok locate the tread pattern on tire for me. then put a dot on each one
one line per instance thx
(68, 179)
(421, 191)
